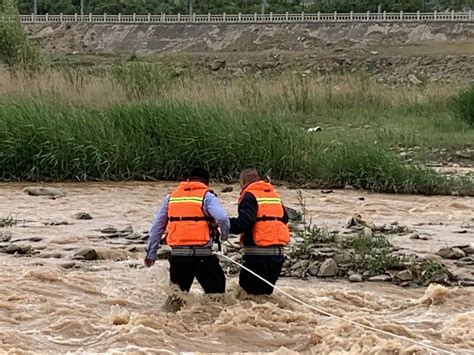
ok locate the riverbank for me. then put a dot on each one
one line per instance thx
(337, 131)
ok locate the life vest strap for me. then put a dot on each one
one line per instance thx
(269, 218)
(191, 251)
(193, 219)
(267, 251)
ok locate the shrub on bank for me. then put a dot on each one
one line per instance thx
(16, 51)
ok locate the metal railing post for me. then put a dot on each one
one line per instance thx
(105, 17)
(194, 17)
(47, 17)
(119, 18)
(302, 16)
(61, 17)
(240, 17)
(385, 15)
(75, 17)
(368, 15)
(470, 15)
(319, 15)
(223, 17)
(335, 16)
(271, 16)
(149, 17)
(134, 17)
(179, 17)
(435, 15)
(255, 16)
(286, 17)
(452, 15)
(418, 15)
(401, 16)
(352, 16)
(208, 17)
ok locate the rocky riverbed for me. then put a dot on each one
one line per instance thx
(72, 274)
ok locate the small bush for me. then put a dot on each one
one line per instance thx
(464, 106)
(432, 270)
(16, 51)
(373, 253)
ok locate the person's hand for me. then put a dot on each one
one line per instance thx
(149, 262)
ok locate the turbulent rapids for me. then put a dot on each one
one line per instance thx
(52, 303)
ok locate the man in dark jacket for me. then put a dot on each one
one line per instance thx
(263, 225)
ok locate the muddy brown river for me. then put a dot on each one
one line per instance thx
(51, 304)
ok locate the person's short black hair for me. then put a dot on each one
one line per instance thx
(199, 174)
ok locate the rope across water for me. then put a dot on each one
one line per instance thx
(422, 344)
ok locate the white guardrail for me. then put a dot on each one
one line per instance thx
(252, 18)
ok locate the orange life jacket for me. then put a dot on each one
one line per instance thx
(269, 228)
(187, 223)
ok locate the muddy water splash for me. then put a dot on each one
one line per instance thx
(116, 306)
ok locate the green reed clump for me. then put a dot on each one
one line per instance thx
(464, 105)
(141, 80)
(42, 141)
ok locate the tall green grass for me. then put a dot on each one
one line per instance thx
(464, 105)
(45, 141)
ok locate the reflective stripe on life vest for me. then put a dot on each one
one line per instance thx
(269, 228)
(187, 223)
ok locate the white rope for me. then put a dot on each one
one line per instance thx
(335, 316)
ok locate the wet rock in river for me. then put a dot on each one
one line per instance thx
(451, 253)
(313, 269)
(404, 275)
(380, 278)
(355, 220)
(134, 236)
(227, 189)
(44, 191)
(137, 249)
(368, 232)
(83, 216)
(293, 214)
(296, 266)
(416, 236)
(50, 256)
(109, 230)
(68, 265)
(343, 257)
(86, 254)
(5, 236)
(127, 230)
(468, 250)
(34, 239)
(328, 269)
(18, 248)
(56, 222)
(466, 283)
(355, 278)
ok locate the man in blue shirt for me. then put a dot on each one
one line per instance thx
(185, 221)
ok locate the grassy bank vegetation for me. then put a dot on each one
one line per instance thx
(150, 120)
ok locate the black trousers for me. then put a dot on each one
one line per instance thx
(269, 270)
(207, 270)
